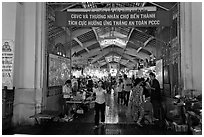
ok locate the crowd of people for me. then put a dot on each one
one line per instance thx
(141, 96)
(82, 84)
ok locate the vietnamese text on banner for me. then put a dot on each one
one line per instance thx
(114, 19)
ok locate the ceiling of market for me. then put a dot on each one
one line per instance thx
(103, 45)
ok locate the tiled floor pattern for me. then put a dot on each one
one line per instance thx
(117, 123)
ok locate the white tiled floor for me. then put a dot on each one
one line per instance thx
(116, 113)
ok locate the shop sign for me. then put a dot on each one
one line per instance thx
(7, 63)
(114, 19)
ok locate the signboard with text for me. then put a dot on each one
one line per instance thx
(114, 19)
(7, 63)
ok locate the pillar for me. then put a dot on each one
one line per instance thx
(197, 46)
(191, 45)
(25, 24)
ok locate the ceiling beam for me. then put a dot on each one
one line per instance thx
(128, 39)
(85, 44)
(145, 44)
(94, 29)
(97, 38)
(143, 4)
(60, 3)
(130, 33)
(88, 44)
(102, 63)
(80, 32)
(117, 34)
(150, 49)
(92, 53)
(158, 6)
(97, 64)
(117, 51)
(133, 52)
(101, 55)
(68, 7)
(96, 51)
(128, 57)
(125, 64)
(81, 44)
(138, 50)
(128, 51)
(150, 36)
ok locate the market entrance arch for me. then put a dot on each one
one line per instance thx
(41, 51)
(134, 38)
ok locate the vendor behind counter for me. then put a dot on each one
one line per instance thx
(83, 92)
(74, 88)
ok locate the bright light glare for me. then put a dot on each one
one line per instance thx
(116, 58)
(113, 58)
(96, 73)
(113, 72)
(109, 59)
(117, 41)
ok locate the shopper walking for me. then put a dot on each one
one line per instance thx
(119, 90)
(127, 87)
(100, 103)
(135, 107)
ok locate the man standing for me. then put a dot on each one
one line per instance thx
(127, 87)
(155, 95)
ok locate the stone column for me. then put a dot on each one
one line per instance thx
(186, 45)
(191, 45)
(197, 46)
(29, 61)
